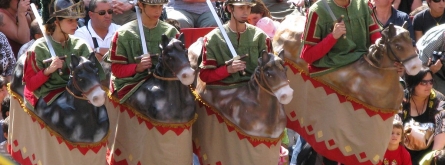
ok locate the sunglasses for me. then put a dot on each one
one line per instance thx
(109, 11)
(437, 1)
(426, 82)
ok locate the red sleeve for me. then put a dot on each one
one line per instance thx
(32, 79)
(374, 37)
(212, 75)
(123, 70)
(311, 53)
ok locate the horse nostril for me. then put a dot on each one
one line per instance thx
(283, 97)
(95, 99)
(184, 75)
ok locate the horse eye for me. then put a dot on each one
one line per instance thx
(80, 79)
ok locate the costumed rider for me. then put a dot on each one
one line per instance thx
(127, 74)
(246, 39)
(43, 80)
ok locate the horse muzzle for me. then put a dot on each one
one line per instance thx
(284, 94)
(413, 66)
(186, 76)
(96, 96)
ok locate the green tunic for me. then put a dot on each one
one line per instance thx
(251, 42)
(359, 27)
(73, 46)
(126, 45)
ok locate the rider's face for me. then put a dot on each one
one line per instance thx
(241, 12)
(152, 11)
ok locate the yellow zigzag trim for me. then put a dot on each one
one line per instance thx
(51, 131)
(348, 97)
(151, 120)
(228, 122)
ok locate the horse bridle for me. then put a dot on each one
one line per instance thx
(76, 86)
(397, 59)
(262, 78)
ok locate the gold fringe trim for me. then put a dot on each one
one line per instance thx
(230, 124)
(149, 119)
(348, 97)
(51, 131)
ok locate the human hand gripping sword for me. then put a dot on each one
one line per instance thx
(141, 34)
(226, 37)
(48, 41)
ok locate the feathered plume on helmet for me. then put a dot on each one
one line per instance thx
(61, 8)
(154, 2)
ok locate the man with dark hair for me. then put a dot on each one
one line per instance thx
(100, 29)
(36, 33)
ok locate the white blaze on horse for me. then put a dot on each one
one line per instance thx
(357, 100)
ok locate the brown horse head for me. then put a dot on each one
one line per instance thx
(395, 46)
(271, 74)
(174, 61)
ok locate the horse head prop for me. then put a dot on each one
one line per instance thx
(257, 107)
(270, 75)
(395, 46)
(84, 81)
(166, 97)
(173, 61)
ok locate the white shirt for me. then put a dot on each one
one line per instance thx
(102, 43)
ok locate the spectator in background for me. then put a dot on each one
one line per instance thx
(4, 145)
(191, 13)
(36, 33)
(407, 6)
(174, 23)
(261, 18)
(7, 62)
(4, 108)
(396, 153)
(279, 8)
(433, 40)
(427, 19)
(99, 30)
(14, 22)
(436, 157)
(123, 12)
(386, 14)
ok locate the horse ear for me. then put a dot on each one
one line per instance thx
(181, 38)
(92, 57)
(281, 54)
(391, 30)
(74, 61)
(405, 25)
(164, 41)
(265, 57)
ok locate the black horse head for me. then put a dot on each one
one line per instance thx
(173, 61)
(84, 80)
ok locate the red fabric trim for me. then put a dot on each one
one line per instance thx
(123, 91)
(29, 96)
(212, 75)
(33, 79)
(53, 93)
(310, 32)
(204, 54)
(312, 53)
(123, 70)
(268, 45)
(113, 56)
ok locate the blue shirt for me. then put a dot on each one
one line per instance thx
(398, 18)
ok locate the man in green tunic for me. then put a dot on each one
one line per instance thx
(246, 39)
(127, 74)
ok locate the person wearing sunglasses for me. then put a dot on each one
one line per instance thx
(423, 105)
(427, 19)
(100, 29)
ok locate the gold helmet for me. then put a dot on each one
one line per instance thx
(62, 8)
(154, 2)
(242, 2)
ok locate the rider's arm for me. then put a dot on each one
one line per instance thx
(212, 75)
(33, 79)
(312, 53)
(123, 70)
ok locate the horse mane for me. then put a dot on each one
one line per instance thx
(375, 52)
(175, 44)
